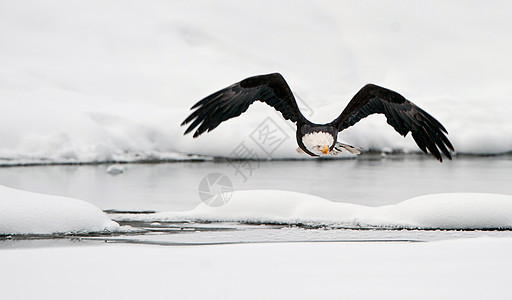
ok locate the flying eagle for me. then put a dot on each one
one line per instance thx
(321, 139)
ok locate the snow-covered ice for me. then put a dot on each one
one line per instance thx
(115, 169)
(436, 211)
(77, 86)
(456, 269)
(24, 212)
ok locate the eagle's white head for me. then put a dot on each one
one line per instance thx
(318, 142)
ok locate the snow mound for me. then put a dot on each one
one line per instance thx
(435, 211)
(24, 212)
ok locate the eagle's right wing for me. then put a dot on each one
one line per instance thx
(232, 101)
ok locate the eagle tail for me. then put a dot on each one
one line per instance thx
(341, 148)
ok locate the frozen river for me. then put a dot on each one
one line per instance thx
(368, 180)
(371, 180)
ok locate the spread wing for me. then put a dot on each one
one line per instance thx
(232, 101)
(400, 113)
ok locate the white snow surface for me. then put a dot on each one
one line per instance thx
(455, 269)
(88, 82)
(24, 212)
(435, 211)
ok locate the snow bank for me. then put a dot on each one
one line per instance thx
(24, 212)
(437, 211)
(77, 87)
(456, 269)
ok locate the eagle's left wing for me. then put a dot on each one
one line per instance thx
(400, 113)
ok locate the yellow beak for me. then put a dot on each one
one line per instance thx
(324, 149)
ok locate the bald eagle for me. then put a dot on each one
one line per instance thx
(321, 139)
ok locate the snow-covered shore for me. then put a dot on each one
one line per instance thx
(75, 86)
(456, 269)
(24, 212)
(436, 211)
(462, 268)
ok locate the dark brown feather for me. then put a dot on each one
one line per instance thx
(401, 114)
(232, 101)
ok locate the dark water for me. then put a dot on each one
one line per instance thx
(369, 180)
